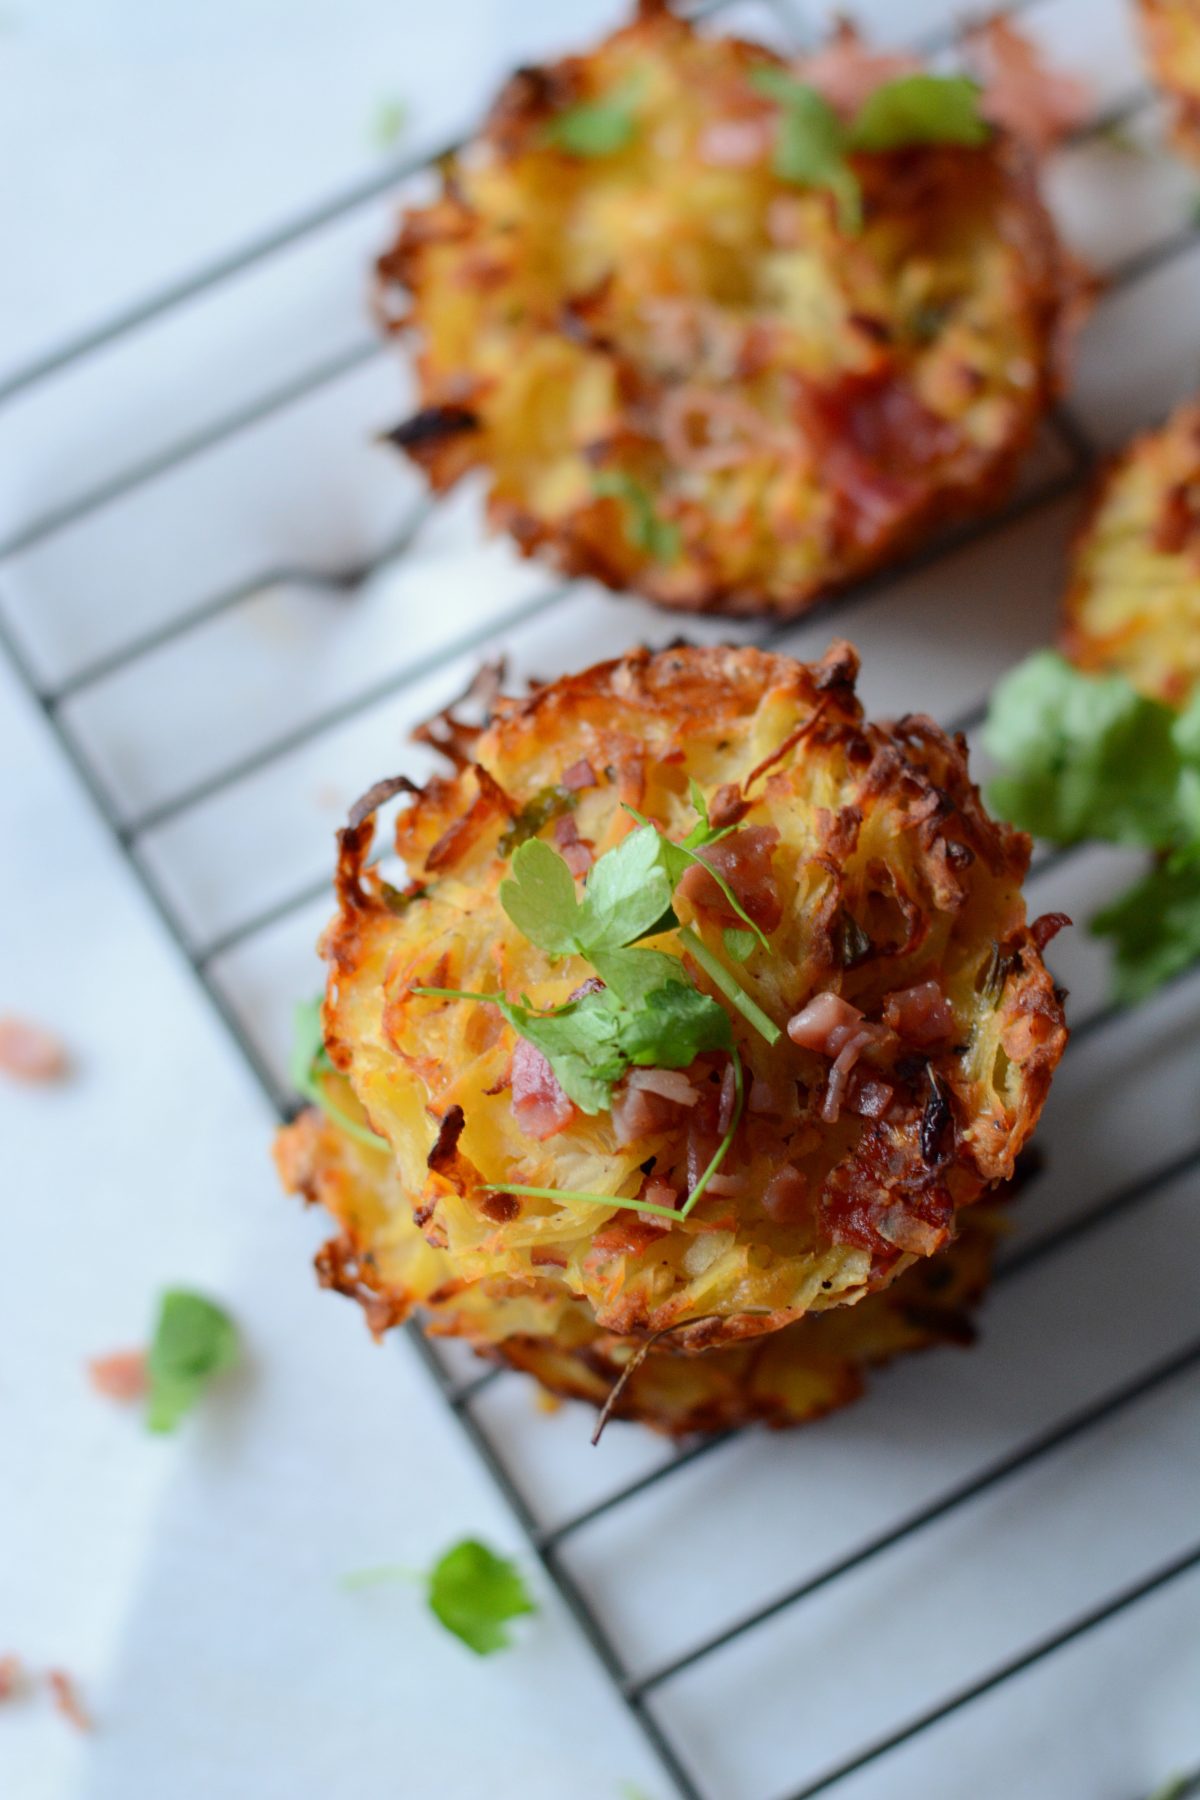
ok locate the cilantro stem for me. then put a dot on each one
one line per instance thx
(362, 1134)
(722, 1150)
(541, 1193)
(666, 1212)
(732, 990)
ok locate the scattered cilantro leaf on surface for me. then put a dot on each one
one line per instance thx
(309, 1062)
(628, 893)
(474, 1593)
(389, 123)
(597, 127)
(676, 1024)
(194, 1341)
(920, 109)
(645, 529)
(1084, 755)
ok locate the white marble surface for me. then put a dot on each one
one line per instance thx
(191, 1585)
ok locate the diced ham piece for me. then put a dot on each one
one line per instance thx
(639, 1113)
(121, 1376)
(875, 440)
(576, 851)
(867, 1097)
(834, 1028)
(672, 1084)
(785, 1198)
(728, 1100)
(580, 775)
(705, 430)
(29, 1052)
(1021, 93)
(744, 859)
(660, 1193)
(62, 1690)
(824, 1024)
(538, 1102)
(921, 1015)
(12, 1674)
(902, 1228)
(726, 1186)
(735, 143)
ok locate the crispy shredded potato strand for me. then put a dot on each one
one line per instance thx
(1133, 604)
(878, 826)
(788, 1378)
(796, 404)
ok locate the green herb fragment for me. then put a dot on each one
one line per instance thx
(1087, 756)
(920, 109)
(396, 900)
(474, 1593)
(381, 1574)
(550, 803)
(813, 146)
(597, 127)
(676, 859)
(194, 1340)
(738, 944)
(1155, 929)
(811, 143)
(309, 1063)
(389, 123)
(719, 975)
(657, 537)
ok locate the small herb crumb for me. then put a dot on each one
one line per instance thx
(29, 1052)
(389, 123)
(194, 1341)
(474, 1593)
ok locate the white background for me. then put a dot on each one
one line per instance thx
(192, 1585)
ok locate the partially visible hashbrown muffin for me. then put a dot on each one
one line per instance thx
(683, 372)
(1172, 33)
(1133, 602)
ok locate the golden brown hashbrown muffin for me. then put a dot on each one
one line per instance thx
(1133, 604)
(381, 1259)
(1172, 32)
(851, 1031)
(685, 373)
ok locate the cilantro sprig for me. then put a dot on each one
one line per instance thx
(813, 145)
(647, 1012)
(309, 1065)
(470, 1590)
(1088, 757)
(194, 1341)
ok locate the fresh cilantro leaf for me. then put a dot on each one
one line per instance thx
(309, 1064)
(539, 898)
(719, 975)
(598, 127)
(474, 1593)
(738, 944)
(920, 109)
(194, 1340)
(628, 893)
(632, 974)
(1086, 756)
(674, 1026)
(810, 142)
(659, 538)
(580, 1043)
(1155, 929)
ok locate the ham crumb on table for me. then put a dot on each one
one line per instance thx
(29, 1052)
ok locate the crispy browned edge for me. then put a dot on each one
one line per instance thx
(437, 438)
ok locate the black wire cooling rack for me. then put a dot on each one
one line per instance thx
(1112, 1194)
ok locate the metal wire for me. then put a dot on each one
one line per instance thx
(549, 1542)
